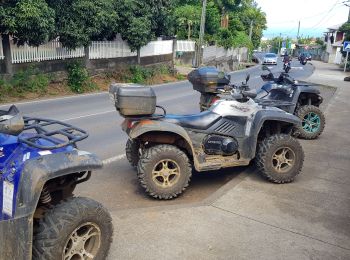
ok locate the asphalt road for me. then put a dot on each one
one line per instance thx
(116, 185)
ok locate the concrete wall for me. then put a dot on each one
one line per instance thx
(2, 67)
(95, 66)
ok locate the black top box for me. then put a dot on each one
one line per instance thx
(207, 79)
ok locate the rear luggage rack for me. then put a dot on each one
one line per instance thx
(64, 136)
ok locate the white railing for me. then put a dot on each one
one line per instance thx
(109, 49)
(53, 50)
(49, 51)
(1, 52)
(185, 46)
(157, 48)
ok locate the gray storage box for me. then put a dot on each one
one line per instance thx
(135, 101)
(207, 79)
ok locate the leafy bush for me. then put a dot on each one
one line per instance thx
(138, 74)
(29, 80)
(141, 75)
(78, 78)
(162, 69)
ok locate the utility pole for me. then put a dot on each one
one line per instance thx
(298, 32)
(279, 44)
(250, 36)
(347, 3)
(201, 35)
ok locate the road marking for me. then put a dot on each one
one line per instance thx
(82, 95)
(95, 114)
(53, 99)
(298, 68)
(114, 159)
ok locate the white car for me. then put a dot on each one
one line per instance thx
(270, 59)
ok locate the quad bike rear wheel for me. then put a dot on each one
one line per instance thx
(132, 151)
(164, 171)
(313, 122)
(76, 228)
(280, 158)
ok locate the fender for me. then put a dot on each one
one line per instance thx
(38, 171)
(300, 89)
(260, 118)
(16, 234)
(146, 126)
(307, 89)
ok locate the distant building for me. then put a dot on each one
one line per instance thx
(334, 43)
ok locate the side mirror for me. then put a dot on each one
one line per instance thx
(247, 78)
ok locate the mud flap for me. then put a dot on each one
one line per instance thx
(16, 238)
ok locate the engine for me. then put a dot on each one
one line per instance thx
(220, 145)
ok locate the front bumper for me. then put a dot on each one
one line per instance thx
(270, 62)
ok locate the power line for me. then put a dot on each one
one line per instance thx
(323, 18)
(304, 18)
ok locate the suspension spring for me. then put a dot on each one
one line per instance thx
(45, 196)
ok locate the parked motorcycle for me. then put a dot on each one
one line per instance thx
(231, 133)
(302, 100)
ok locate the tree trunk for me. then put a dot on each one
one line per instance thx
(7, 53)
(87, 58)
(174, 55)
(189, 31)
(139, 56)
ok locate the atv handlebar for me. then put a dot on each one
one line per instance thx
(54, 137)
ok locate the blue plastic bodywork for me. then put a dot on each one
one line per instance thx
(13, 157)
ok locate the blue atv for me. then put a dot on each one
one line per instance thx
(40, 167)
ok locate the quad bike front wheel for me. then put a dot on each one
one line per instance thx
(132, 151)
(76, 228)
(280, 158)
(164, 171)
(313, 122)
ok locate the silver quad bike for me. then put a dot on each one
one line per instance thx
(165, 148)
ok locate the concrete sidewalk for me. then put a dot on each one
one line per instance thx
(250, 218)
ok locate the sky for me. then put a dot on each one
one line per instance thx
(315, 16)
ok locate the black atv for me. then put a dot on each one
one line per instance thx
(284, 92)
(231, 133)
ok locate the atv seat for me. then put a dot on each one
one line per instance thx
(11, 121)
(201, 121)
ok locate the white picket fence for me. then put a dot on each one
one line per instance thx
(186, 46)
(54, 50)
(109, 49)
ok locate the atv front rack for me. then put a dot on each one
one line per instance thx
(42, 137)
(273, 103)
